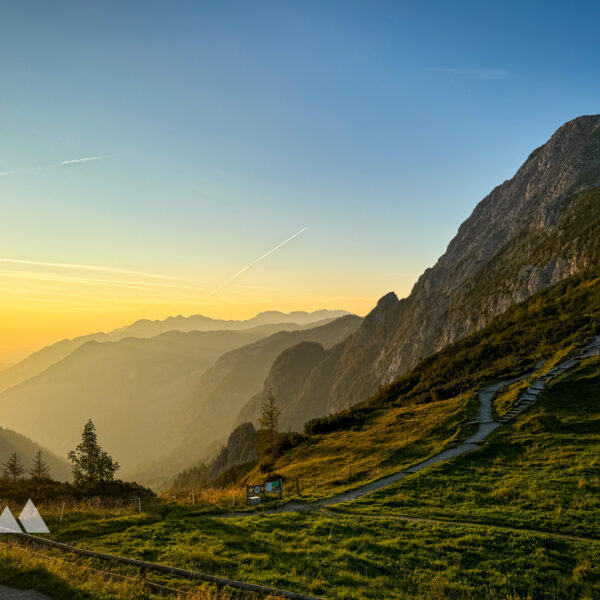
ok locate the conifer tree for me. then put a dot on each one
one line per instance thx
(13, 468)
(90, 464)
(39, 468)
(269, 418)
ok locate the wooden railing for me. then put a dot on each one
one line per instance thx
(145, 567)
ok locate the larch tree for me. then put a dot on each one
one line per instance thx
(13, 468)
(39, 468)
(269, 418)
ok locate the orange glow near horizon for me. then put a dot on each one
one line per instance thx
(45, 302)
(29, 325)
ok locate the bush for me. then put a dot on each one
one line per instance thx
(265, 465)
(287, 441)
(346, 419)
(48, 490)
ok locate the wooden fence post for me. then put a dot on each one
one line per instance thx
(139, 505)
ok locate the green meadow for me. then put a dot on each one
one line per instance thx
(541, 471)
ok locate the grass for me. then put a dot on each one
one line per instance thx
(508, 397)
(542, 471)
(21, 569)
(64, 577)
(345, 557)
(386, 442)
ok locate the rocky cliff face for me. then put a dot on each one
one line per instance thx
(209, 412)
(525, 235)
(240, 449)
(528, 206)
(286, 380)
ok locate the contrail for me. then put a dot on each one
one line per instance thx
(83, 267)
(256, 260)
(63, 163)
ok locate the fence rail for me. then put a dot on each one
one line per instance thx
(145, 566)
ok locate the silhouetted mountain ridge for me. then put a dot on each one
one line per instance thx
(49, 355)
(534, 230)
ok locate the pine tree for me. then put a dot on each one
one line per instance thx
(90, 464)
(39, 468)
(13, 468)
(270, 417)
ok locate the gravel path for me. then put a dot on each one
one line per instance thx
(7, 593)
(486, 425)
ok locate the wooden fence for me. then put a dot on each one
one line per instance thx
(145, 567)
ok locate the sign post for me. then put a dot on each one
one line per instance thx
(254, 492)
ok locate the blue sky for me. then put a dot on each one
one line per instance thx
(232, 125)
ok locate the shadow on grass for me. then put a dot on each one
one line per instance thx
(38, 578)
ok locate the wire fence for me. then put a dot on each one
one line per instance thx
(144, 568)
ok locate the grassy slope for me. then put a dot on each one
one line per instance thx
(345, 557)
(387, 441)
(542, 471)
(22, 568)
(435, 402)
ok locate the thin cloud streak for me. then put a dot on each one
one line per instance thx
(134, 285)
(221, 286)
(84, 267)
(62, 163)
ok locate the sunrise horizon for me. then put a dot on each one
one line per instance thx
(52, 305)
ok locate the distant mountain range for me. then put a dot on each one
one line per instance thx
(208, 413)
(133, 390)
(42, 359)
(146, 328)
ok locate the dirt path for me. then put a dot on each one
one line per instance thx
(7, 593)
(486, 425)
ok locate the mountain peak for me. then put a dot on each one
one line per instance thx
(578, 124)
(389, 300)
(535, 229)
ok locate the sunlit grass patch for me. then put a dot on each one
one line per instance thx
(542, 471)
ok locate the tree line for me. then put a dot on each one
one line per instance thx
(13, 468)
(90, 464)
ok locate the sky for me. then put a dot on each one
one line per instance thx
(155, 156)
